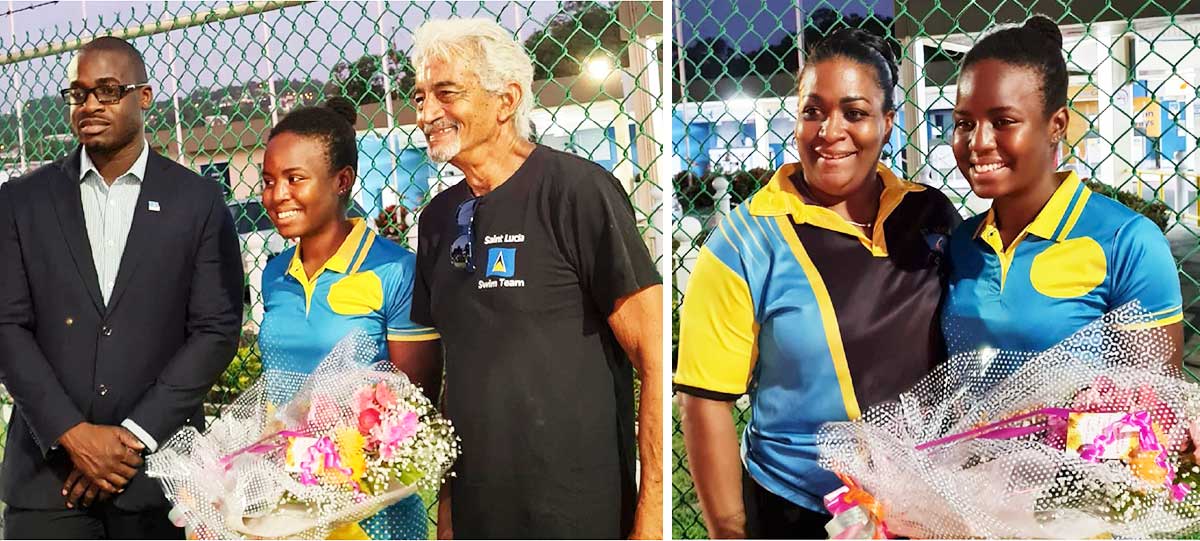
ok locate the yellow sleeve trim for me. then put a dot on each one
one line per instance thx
(833, 334)
(717, 333)
(413, 337)
(1162, 322)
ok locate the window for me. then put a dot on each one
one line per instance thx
(218, 171)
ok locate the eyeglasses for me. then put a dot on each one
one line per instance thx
(106, 93)
(460, 249)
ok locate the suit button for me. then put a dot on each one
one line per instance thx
(70, 322)
(106, 330)
(102, 389)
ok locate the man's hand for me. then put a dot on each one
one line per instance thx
(107, 455)
(81, 491)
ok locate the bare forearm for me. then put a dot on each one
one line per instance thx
(650, 449)
(421, 362)
(1175, 334)
(636, 322)
(710, 437)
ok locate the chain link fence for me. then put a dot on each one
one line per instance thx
(223, 73)
(1133, 99)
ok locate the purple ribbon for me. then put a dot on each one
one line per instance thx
(1000, 430)
(1147, 442)
(265, 445)
(323, 452)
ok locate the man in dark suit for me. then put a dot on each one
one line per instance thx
(120, 305)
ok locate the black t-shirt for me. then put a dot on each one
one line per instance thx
(537, 386)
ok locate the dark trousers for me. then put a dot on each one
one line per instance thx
(101, 521)
(769, 516)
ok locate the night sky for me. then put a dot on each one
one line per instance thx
(750, 23)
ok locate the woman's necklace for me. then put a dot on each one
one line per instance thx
(806, 194)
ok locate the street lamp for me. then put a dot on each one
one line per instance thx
(598, 68)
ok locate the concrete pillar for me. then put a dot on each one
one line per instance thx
(624, 166)
(1116, 122)
(912, 83)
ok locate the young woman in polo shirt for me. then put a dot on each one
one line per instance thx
(1050, 256)
(339, 277)
(798, 294)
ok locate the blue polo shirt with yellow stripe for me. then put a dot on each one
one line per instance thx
(367, 284)
(813, 318)
(1082, 256)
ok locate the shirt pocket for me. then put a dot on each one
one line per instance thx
(356, 294)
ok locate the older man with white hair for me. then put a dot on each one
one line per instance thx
(547, 300)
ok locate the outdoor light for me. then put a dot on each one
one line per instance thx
(599, 68)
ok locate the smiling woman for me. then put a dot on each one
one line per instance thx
(340, 276)
(1064, 255)
(794, 292)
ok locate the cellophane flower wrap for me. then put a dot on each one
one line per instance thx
(1089, 438)
(300, 455)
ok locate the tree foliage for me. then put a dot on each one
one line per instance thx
(362, 81)
(580, 32)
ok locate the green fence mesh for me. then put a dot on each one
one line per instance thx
(1135, 117)
(222, 73)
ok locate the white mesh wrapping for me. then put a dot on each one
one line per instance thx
(247, 498)
(1026, 487)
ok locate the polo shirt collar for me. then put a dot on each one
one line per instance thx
(780, 197)
(137, 170)
(1050, 222)
(340, 261)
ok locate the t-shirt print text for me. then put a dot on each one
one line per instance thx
(501, 262)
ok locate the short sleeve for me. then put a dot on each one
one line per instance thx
(717, 328)
(1144, 270)
(399, 303)
(609, 255)
(420, 311)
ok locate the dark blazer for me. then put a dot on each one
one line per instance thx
(170, 328)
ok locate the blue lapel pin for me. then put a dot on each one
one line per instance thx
(154, 206)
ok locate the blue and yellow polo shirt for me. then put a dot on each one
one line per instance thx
(367, 284)
(1082, 256)
(813, 318)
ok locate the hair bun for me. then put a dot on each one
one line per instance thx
(343, 107)
(1047, 28)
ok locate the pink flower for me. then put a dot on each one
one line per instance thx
(368, 419)
(393, 431)
(363, 399)
(384, 396)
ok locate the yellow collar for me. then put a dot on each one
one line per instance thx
(780, 196)
(340, 261)
(1048, 220)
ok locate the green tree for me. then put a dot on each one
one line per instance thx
(362, 81)
(581, 31)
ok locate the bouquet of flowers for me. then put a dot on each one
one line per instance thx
(301, 455)
(1090, 438)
